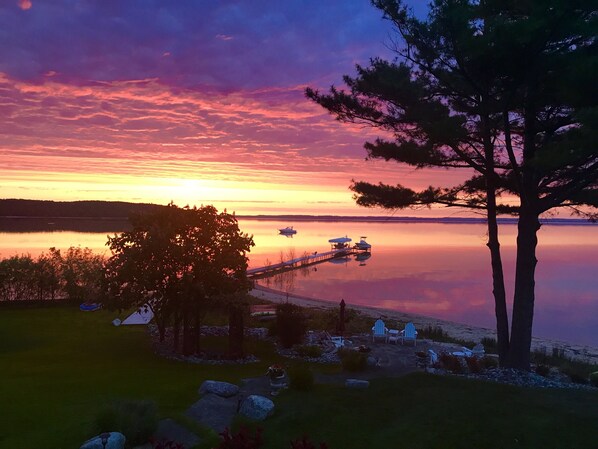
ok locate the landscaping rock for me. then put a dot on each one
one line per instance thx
(223, 389)
(213, 411)
(257, 407)
(170, 430)
(357, 383)
(116, 440)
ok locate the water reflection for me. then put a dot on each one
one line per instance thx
(444, 271)
(440, 270)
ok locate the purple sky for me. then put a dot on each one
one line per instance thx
(227, 45)
(191, 101)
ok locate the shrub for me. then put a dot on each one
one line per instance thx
(136, 420)
(473, 365)
(241, 440)
(489, 362)
(313, 351)
(435, 333)
(451, 363)
(290, 324)
(558, 352)
(594, 378)
(575, 376)
(353, 360)
(489, 343)
(543, 370)
(301, 378)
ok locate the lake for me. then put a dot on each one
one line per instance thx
(434, 269)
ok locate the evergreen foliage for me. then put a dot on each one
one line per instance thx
(502, 91)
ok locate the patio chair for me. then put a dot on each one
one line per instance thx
(409, 334)
(379, 330)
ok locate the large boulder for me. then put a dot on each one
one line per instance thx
(222, 389)
(214, 411)
(115, 440)
(257, 407)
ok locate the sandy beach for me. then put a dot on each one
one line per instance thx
(456, 330)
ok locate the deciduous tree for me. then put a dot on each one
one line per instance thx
(176, 260)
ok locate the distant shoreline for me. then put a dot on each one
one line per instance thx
(17, 209)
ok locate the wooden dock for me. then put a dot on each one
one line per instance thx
(300, 262)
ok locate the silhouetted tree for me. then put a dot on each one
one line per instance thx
(502, 91)
(176, 260)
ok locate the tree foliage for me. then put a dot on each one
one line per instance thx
(74, 276)
(177, 260)
(501, 90)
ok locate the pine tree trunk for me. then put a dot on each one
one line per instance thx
(523, 301)
(498, 281)
(498, 290)
(527, 240)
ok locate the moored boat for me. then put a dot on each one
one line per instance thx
(363, 245)
(340, 242)
(287, 231)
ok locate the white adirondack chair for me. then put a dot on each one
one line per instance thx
(379, 330)
(409, 334)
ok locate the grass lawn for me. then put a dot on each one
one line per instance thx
(425, 411)
(60, 366)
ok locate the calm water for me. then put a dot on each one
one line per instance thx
(433, 269)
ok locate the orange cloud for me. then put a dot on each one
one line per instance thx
(24, 4)
(145, 131)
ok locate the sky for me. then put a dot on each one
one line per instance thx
(196, 102)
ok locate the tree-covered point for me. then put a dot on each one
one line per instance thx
(179, 262)
(504, 91)
(73, 209)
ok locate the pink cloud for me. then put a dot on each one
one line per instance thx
(24, 4)
(145, 128)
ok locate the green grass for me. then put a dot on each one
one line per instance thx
(425, 411)
(59, 367)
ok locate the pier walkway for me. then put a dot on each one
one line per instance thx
(300, 262)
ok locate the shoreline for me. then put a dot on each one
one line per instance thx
(453, 329)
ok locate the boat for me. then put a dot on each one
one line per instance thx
(340, 242)
(363, 245)
(287, 231)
